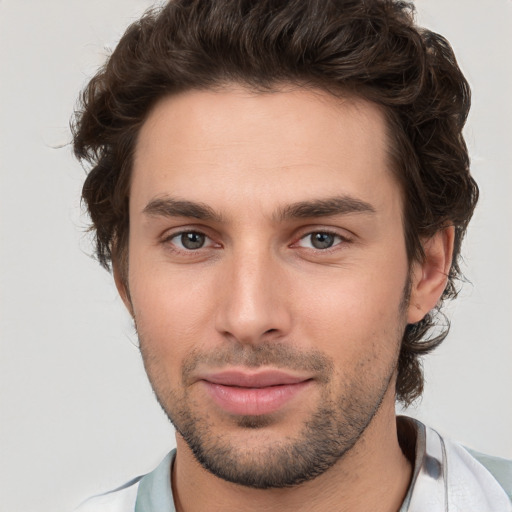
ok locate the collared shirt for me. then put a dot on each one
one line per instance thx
(446, 478)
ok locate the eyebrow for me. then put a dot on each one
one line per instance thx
(339, 205)
(170, 207)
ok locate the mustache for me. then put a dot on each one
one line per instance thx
(274, 354)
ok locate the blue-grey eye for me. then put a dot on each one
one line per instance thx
(192, 240)
(322, 240)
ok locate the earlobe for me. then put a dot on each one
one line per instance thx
(430, 276)
(122, 288)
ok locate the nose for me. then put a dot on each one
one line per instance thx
(252, 306)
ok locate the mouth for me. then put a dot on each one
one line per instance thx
(246, 393)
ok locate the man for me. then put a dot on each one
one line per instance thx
(281, 189)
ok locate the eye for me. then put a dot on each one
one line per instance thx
(190, 240)
(320, 240)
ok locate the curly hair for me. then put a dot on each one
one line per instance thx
(368, 48)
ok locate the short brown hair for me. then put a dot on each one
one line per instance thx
(370, 48)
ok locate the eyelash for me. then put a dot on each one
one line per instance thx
(341, 240)
(168, 240)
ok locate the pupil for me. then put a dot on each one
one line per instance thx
(322, 240)
(192, 240)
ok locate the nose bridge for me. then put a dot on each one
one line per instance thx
(252, 302)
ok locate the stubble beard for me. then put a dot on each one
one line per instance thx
(329, 433)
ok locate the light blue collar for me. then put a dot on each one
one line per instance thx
(155, 493)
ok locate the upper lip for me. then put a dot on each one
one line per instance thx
(247, 379)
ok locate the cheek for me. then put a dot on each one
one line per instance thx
(351, 312)
(171, 310)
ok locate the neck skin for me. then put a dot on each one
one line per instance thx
(373, 475)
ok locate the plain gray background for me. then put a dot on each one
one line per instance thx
(77, 414)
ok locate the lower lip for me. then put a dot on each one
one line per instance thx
(254, 401)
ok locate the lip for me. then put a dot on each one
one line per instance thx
(258, 379)
(253, 393)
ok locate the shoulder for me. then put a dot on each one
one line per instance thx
(452, 477)
(121, 499)
(485, 478)
(147, 492)
(500, 469)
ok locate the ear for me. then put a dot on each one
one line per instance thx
(430, 276)
(122, 288)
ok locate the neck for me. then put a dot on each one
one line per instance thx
(354, 483)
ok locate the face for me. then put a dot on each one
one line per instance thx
(267, 276)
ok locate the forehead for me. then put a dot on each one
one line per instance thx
(287, 145)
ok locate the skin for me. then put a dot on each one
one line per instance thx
(258, 285)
